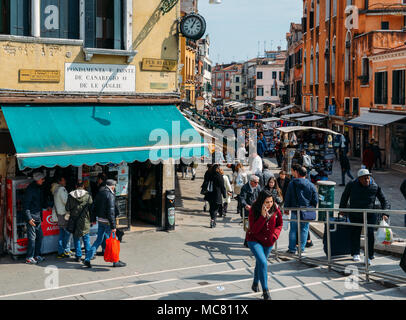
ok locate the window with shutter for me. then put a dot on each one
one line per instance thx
(19, 17)
(60, 19)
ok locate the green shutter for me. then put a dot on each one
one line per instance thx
(20, 17)
(90, 23)
(118, 22)
(73, 20)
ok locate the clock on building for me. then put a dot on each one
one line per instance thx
(193, 26)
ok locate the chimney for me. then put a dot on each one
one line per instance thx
(279, 48)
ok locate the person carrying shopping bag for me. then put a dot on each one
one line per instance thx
(265, 225)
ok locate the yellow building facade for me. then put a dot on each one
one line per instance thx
(91, 52)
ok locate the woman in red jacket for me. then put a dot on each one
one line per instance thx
(265, 225)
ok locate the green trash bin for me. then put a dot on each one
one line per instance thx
(326, 197)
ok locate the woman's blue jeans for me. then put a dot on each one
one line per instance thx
(304, 231)
(261, 254)
(63, 241)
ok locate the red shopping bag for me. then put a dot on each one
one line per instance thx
(112, 251)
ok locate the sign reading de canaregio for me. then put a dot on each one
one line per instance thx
(100, 78)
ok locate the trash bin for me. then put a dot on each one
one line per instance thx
(326, 197)
(170, 210)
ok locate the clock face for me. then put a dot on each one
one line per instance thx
(193, 26)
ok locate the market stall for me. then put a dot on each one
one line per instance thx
(317, 142)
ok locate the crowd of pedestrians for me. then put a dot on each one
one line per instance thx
(261, 198)
(75, 213)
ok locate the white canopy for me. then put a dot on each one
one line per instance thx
(302, 128)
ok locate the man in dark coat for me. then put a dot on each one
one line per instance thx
(361, 194)
(106, 211)
(249, 193)
(33, 204)
(283, 182)
(403, 190)
(216, 194)
(345, 168)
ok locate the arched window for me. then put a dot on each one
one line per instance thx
(347, 56)
(333, 61)
(326, 61)
(327, 9)
(312, 15)
(334, 8)
(317, 64)
(317, 12)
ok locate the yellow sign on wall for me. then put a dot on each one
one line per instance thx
(31, 75)
(149, 64)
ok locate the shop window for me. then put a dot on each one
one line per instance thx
(15, 17)
(398, 87)
(104, 24)
(381, 88)
(60, 19)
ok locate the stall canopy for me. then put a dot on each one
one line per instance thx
(294, 115)
(311, 118)
(301, 128)
(376, 119)
(272, 119)
(52, 136)
(284, 108)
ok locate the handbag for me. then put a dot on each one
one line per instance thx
(112, 251)
(71, 226)
(305, 214)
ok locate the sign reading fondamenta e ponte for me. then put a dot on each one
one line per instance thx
(100, 78)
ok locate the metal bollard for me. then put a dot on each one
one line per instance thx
(366, 246)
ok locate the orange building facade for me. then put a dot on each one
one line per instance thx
(340, 38)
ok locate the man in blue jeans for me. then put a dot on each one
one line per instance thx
(33, 204)
(105, 210)
(301, 193)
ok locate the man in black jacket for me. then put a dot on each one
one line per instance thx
(362, 193)
(249, 193)
(105, 210)
(403, 190)
(33, 204)
(216, 194)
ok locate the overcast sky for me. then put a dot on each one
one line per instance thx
(236, 26)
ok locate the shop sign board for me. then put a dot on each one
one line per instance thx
(149, 64)
(32, 75)
(100, 78)
(48, 225)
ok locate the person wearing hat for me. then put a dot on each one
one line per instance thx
(361, 193)
(33, 204)
(106, 211)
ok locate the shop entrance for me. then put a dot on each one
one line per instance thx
(146, 193)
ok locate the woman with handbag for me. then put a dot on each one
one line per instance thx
(265, 225)
(216, 193)
(78, 206)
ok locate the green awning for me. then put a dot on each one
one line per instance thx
(52, 136)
